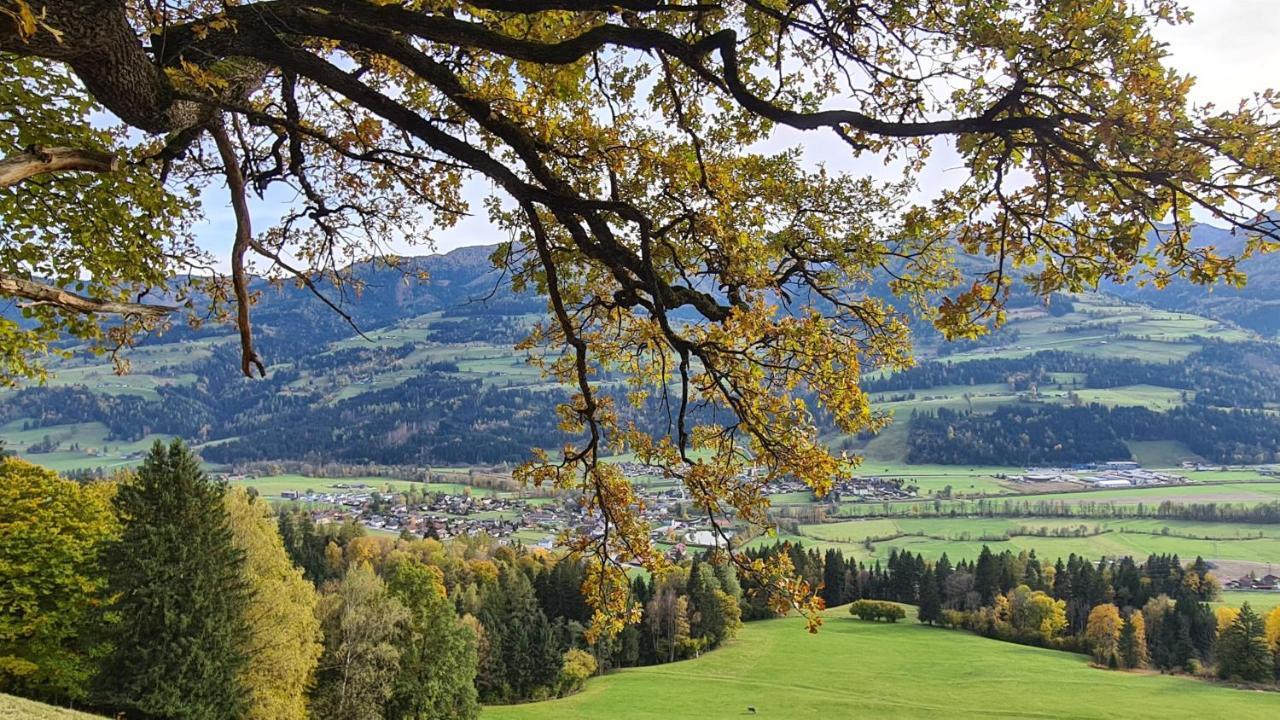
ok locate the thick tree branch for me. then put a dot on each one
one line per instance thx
(40, 294)
(38, 161)
(249, 358)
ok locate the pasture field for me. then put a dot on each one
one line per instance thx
(272, 485)
(963, 538)
(856, 669)
(1243, 492)
(1160, 453)
(1261, 602)
(94, 452)
(16, 708)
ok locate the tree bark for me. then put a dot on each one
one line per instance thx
(40, 294)
(98, 43)
(37, 161)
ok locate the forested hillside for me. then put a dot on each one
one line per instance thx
(434, 379)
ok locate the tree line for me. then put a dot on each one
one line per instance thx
(164, 593)
(1056, 435)
(1126, 613)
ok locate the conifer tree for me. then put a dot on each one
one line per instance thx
(1242, 649)
(179, 645)
(524, 656)
(930, 610)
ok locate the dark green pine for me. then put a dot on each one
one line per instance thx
(179, 635)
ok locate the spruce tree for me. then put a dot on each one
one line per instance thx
(524, 657)
(1242, 649)
(930, 610)
(180, 636)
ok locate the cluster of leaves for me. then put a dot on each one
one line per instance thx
(113, 236)
(624, 140)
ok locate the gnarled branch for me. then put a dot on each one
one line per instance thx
(40, 294)
(38, 161)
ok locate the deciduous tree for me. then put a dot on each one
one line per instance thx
(51, 583)
(1103, 632)
(1133, 641)
(438, 653)
(284, 632)
(623, 140)
(362, 625)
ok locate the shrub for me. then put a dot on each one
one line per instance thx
(877, 610)
(578, 666)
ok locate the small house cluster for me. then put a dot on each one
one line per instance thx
(1267, 582)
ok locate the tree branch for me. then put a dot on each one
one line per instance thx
(40, 294)
(38, 161)
(249, 358)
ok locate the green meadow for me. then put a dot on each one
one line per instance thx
(16, 708)
(272, 485)
(1260, 601)
(856, 669)
(874, 539)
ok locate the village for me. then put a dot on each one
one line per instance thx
(674, 520)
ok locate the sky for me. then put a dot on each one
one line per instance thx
(1232, 48)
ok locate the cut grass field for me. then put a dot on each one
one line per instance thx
(1260, 601)
(856, 669)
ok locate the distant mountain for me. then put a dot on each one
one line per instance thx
(289, 319)
(439, 381)
(1255, 306)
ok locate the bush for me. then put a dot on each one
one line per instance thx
(578, 666)
(877, 610)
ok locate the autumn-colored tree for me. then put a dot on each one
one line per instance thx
(1224, 616)
(578, 666)
(1273, 629)
(362, 624)
(623, 142)
(284, 633)
(1034, 612)
(1133, 641)
(668, 617)
(51, 584)
(1103, 632)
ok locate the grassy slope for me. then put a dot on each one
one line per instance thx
(852, 669)
(15, 708)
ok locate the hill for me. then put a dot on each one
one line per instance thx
(1255, 306)
(855, 669)
(435, 381)
(15, 708)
